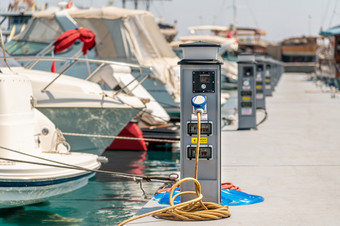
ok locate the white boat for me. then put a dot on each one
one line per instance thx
(122, 35)
(153, 114)
(29, 136)
(77, 106)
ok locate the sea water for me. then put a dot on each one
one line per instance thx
(106, 199)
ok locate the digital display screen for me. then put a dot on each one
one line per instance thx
(246, 104)
(245, 93)
(204, 78)
(205, 152)
(206, 128)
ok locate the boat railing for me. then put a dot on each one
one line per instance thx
(72, 61)
(43, 52)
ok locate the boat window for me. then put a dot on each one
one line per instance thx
(10, 61)
(297, 58)
(17, 48)
(230, 56)
(42, 30)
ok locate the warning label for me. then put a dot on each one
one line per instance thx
(203, 140)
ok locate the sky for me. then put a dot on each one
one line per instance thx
(278, 18)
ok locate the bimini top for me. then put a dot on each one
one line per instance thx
(331, 31)
(110, 13)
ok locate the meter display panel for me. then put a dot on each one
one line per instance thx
(245, 93)
(206, 128)
(248, 72)
(246, 104)
(204, 152)
(203, 81)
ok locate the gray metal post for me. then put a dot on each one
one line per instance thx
(201, 75)
(246, 92)
(268, 77)
(273, 74)
(260, 83)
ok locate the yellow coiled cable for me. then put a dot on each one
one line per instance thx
(192, 210)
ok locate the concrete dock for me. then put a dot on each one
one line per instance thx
(292, 160)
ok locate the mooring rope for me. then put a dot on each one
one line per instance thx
(171, 178)
(191, 210)
(120, 137)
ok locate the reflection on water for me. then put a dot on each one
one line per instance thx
(21, 216)
(106, 200)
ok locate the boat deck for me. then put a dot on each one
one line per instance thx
(292, 160)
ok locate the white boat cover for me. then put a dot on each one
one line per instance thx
(131, 36)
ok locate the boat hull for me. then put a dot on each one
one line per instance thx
(95, 121)
(21, 193)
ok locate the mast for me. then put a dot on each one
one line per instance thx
(147, 3)
(234, 13)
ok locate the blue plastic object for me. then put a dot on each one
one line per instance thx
(229, 197)
(238, 198)
(199, 101)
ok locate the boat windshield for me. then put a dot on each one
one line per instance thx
(11, 62)
(230, 56)
(38, 34)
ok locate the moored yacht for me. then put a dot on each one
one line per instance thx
(129, 36)
(79, 107)
(35, 163)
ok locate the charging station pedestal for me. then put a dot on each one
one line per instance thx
(268, 78)
(260, 83)
(201, 88)
(246, 92)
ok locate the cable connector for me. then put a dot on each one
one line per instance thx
(201, 110)
(199, 102)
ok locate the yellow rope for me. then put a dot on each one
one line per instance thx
(198, 142)
(192, 210)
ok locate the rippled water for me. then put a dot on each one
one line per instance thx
(106, 200)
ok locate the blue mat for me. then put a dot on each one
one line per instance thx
(229, 198)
